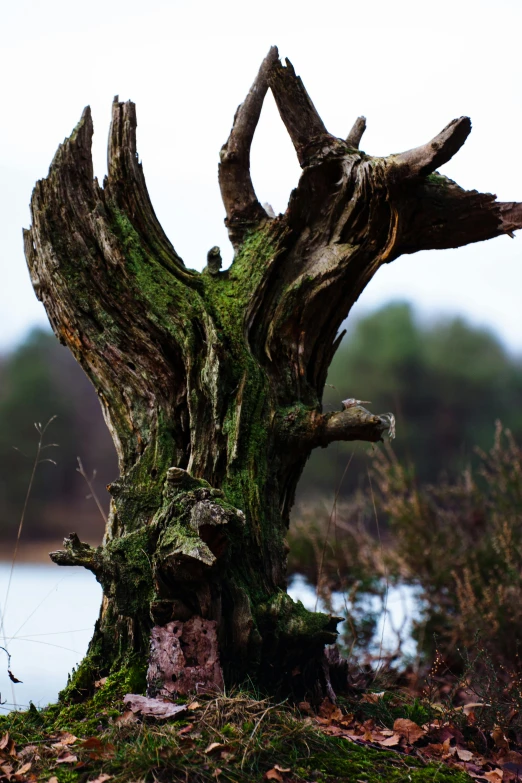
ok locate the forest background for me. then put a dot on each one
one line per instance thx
(447, 364)
(446, 380)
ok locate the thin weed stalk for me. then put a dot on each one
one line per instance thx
(38, 460)
(90, 484)
(386, 575)
(333, 516)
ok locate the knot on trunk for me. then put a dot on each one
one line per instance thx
(291, 634)
(78, 553)
(192, 546)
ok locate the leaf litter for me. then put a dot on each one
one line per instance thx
(438, 740)
(227, 726)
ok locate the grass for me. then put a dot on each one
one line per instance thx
(231, 738)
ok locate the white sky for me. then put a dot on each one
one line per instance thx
(409, 66)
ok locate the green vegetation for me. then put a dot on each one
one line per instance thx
(459, 542)
(447, 382)
(234, 738)
(37, 381)
(462, 542)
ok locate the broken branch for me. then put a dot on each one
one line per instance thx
(438, 214)
(354, 137)
(127, 187)
(309, 136)
(77, 553)
(237, 191)
(354, 423)
(429, 157)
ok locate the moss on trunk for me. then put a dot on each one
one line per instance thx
(211, 382)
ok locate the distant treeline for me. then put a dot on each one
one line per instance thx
(38, 380)
(446, 384)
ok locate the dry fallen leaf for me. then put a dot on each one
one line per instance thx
(499, 738)
(98, 749)
(65, 738)
(54, 779)
(274, 774)
(494, 776)
(30, 750)
(464, 755)
(24, 768)
(101, 779)
(214, 746)
(409, 730)
(329, 711)
(100, 683)
(10, 749)
(390, 742)
(194, 705)
(154, 708)
(127, 717)
(66, 757)
(4, 740)
(372, 698)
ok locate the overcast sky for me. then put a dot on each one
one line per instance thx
(410, 67)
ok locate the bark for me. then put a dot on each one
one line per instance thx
(211, 382)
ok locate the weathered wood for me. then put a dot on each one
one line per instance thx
(243, 210)
(427, 158)
(302, 121)
(354, 137)
(211, 382)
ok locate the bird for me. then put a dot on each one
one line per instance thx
(351, 402)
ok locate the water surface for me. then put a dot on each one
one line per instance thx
(47, 626)
(50, 618)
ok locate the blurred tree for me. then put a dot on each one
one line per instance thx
(39, 380)
(447, 383)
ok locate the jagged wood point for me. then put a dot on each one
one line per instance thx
(211, 382)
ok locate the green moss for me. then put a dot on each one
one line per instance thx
(246, 424)
(438, 179)
(127, 674)
(292, 622)
(156, 281)
(156, 751)
(229, 294)
(347, 762)
(128, 559)
(131, 678)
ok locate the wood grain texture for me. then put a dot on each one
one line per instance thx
(243, 210)
(354, 137)
(211, 383)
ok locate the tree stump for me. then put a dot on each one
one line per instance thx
(211, 382)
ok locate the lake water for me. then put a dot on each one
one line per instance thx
(51, 612)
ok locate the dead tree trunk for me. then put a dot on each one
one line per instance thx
(211, 382)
